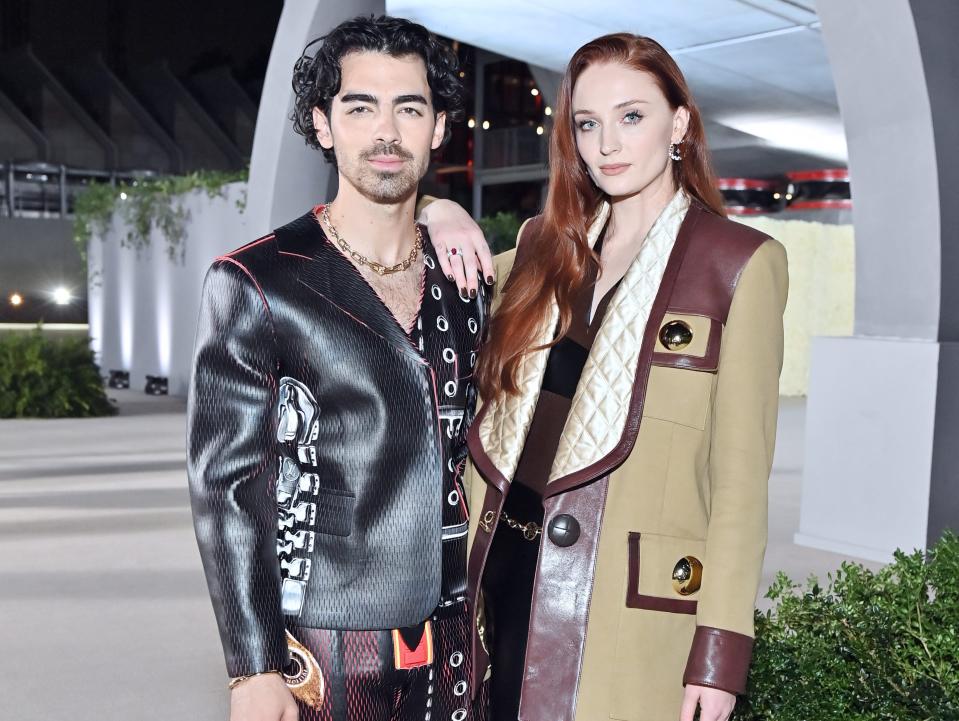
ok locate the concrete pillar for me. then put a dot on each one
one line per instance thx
(286, 176)
(879, 472)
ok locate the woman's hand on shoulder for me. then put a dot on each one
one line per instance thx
(714, 704)
(460, 245)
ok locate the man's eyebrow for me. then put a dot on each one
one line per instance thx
(359, 98)
(413, 98)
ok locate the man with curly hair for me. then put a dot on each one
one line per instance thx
(329, 403)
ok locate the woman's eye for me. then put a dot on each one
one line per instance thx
(587, 124)
(632, 117)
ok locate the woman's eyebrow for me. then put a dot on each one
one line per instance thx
(636, 101)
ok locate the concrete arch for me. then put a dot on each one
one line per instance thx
(286, 179)
(879, 468)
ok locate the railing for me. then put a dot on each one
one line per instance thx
(43, 190)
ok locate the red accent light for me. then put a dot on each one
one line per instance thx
(831, 174)
(745, 184)
(820, 205)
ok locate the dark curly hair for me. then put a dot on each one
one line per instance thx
(316, 79)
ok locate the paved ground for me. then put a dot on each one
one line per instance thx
(103, 608)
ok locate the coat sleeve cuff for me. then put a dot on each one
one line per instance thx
(719, 659)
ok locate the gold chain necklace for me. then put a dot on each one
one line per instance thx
(377, 268)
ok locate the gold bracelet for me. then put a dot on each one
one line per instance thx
(237, 680)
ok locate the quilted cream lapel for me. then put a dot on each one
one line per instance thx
(505, 422)
(600, 405)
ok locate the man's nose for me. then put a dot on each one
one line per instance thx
(386, 130)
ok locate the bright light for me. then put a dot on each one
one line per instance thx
(486, 125)
(16, 299)
(539, 130)
(776, 196)
(548, 111)
(819, 135)
(61, 296)
(471, 123)
(534, 92)
(123, 196)
(789, 196)
(462, 74)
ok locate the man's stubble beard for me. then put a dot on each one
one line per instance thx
(384, 187)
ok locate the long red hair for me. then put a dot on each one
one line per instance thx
(557, 256)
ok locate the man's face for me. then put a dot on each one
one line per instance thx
(381, 125)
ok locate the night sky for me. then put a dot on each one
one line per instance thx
(192, 35)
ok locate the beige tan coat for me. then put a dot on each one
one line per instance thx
(665, 456)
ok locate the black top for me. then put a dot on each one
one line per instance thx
(511, 566)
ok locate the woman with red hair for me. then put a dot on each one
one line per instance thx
(630, 385)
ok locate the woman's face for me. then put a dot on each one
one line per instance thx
(624, 125)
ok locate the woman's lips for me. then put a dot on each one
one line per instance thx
(614, 169)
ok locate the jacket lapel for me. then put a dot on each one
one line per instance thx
(333, 277)
(498, 434)
(597, 418)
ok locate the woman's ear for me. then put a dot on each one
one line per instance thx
(680, 124)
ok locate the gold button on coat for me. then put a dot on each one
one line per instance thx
(687, 575)
(676, 335)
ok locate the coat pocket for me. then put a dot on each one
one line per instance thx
(685, 360)
(688, 340)
(655, 631)
(664, 573)
(334, 511)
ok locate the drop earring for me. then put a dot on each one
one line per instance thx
(674, 151)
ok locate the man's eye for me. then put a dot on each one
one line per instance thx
(411, 111)
(357, 110)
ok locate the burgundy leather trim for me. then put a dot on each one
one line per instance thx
(562, 592)
(710, 275)
(719, 659)
(635, 599)
(708, 362)
(709, 280)
(631, 429)
(481, 460)
(489, 521)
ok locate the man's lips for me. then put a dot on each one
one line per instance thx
(386, 161)
(613, 168)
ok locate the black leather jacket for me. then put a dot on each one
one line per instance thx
(312, 412)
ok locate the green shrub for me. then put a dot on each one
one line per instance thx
(500, 230)
(869, 646)
(44, 378)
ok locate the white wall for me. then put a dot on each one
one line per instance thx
(143, 306)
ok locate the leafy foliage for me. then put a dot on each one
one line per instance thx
(869, 646)
(45, 378)
(500, 230)
(149, 203)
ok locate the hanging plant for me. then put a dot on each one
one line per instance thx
(145, 205)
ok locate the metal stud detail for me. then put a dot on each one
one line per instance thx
(676, 335)
(687, 575)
